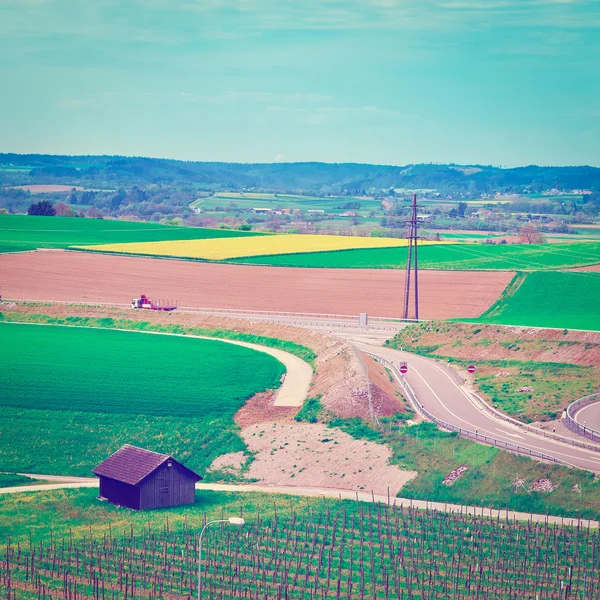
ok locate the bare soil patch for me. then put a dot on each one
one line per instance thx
(493, 342)
(79, 276)
(232, 462)
(261, 409)
(386, 395)
(589, 268)
(314, 455)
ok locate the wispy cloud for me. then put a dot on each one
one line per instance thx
(257, 97)
(323, 114)
(173, 21)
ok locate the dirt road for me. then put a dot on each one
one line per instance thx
(85, 482)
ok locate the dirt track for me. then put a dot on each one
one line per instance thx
(57, 275)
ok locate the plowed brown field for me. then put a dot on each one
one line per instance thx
(77, 277)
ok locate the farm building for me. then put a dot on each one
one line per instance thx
(142, 479)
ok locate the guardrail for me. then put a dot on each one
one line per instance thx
(536, 430)
(466, 433)
(576, 427)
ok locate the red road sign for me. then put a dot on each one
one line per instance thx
(471, 368)
(403, 369)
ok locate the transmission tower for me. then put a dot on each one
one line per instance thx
(413, 236)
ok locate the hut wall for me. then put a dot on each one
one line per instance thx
(167, 486)
(120, 493)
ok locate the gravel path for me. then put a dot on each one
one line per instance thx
(85, 482)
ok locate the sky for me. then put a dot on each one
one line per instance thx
(502, 82)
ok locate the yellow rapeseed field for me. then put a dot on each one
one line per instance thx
(223, 248)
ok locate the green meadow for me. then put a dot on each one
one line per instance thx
(549, 299)
(23, 232)
(522, 257)
(71, 396)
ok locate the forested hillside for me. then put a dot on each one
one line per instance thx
(315, 178)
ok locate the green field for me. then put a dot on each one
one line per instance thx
(546, 299)
(22, 232)
(71, 396)
(521, 257)
(288, 548)
(289, 201)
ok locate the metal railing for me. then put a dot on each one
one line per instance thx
(533, 429)
(465, 433)
(578, 428)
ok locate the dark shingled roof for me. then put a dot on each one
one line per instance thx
(131, 464)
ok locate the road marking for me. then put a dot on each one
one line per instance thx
(526, 445)
(511, 434)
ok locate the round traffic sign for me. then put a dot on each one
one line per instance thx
(403, 369)
(471, 368)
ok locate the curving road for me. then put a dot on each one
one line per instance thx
(441, 394)
(589, 416)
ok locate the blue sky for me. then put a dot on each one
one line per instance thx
(503, 82)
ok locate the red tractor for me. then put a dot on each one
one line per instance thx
(144, 302)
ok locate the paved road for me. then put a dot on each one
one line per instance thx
(440, 392)
(87, 482)
(589, 416)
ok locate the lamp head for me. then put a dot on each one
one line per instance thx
(236, 521)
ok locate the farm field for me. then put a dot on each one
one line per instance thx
(91, 277)
(23, 232)
(288, 201)
(81, 393)
(289, 548)
(549, 299)
(521, 257)
(220, 249)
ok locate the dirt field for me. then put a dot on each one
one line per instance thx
(591, 268)
(48, 189)
(75, 276)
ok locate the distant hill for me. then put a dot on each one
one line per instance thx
(308, 177)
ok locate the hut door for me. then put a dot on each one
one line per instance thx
(163, 490)
(164, 496)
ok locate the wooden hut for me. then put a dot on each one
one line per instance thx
(142, 479)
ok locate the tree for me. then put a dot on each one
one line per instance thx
(63, 210)
(462, 207)
(43, 208)
(94, 213)
(530, 234)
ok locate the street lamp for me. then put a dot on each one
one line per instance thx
(232, 521)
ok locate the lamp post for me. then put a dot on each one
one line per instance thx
(232, 521)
